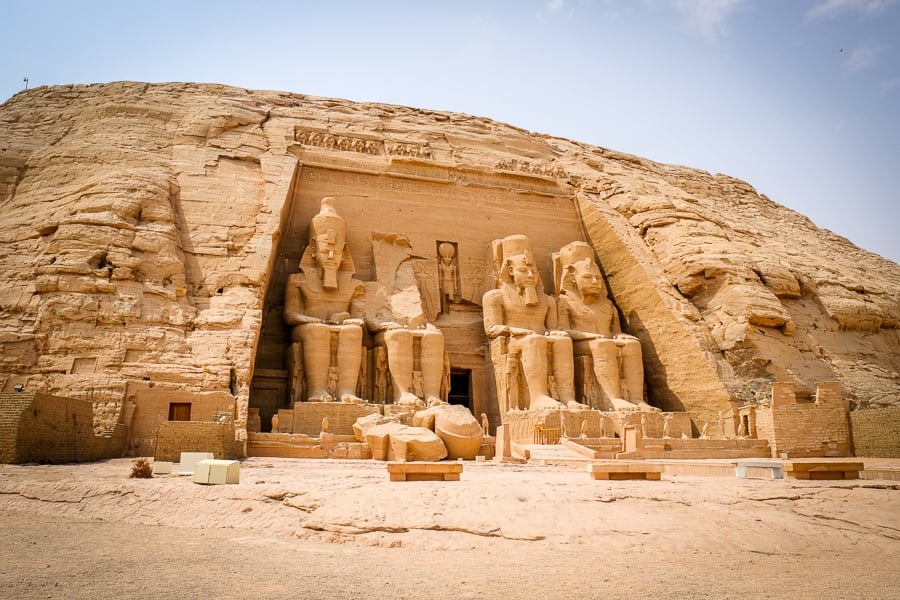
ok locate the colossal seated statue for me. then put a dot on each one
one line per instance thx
(523, 319)
(592, 321)
(414, 348)
(324, 304)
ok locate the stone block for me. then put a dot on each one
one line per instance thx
(217, 472)
(162, 467)
(188, 460)
(759, 469)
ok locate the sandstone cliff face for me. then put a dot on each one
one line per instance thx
(141, 225)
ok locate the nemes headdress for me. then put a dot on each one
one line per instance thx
(568, 256)
(328, 223)
(506, 250)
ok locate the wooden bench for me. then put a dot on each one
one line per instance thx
(759, 469)
(621, 471)
(425, 471)
(811, 469)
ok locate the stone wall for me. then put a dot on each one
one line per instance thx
(147, 405)
(307, 417)
(175, 437)
(50, 429)
(805, 426)
(876, 432)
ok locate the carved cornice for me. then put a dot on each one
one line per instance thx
(340, 143)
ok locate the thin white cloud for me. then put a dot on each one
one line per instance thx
(889, 85)
(862, 58)
(555, 5)
(832, 8)
(708, 18)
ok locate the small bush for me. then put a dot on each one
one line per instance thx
(142, 469)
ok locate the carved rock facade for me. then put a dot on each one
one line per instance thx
(148, 232)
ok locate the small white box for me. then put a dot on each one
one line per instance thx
(161, 467)
(217, 472)
(189, 459)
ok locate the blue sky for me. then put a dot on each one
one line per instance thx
(801, 98)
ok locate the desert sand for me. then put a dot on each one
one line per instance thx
(341, 529)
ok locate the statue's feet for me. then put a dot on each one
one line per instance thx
(320, 397)
(433, 401)
(409, 399)
(622, 405)
(644, 407)
(544, 402)
(351, 399)
(572, 405)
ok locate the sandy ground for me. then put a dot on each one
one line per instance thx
(339, 529)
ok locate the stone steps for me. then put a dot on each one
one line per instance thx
(552, 454)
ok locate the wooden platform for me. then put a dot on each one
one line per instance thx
(624, 470)
(425, 471)
(812, 469)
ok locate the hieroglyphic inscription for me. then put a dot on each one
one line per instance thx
(398, 183)
(473, 280)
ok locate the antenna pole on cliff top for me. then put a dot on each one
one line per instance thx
(26, 83)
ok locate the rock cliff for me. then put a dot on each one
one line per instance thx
(142, 224)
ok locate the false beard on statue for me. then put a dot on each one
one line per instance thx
(329, 279)
(529, 295)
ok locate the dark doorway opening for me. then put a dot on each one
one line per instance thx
(460, 387)
(180, 411)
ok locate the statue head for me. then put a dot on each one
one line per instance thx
(327, 240)
(447, 252)
(576, 270)
(515, 262)
(521, 271)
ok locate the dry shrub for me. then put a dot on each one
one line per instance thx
(142, 469)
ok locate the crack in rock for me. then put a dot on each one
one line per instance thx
(768, 498)
(361, 530)
(854, 524)
(70, 498)
(353, 529)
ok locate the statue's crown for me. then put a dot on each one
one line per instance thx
(517, 245)
(327, 220)
(575, 252)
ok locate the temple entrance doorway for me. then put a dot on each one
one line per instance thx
(461, 388)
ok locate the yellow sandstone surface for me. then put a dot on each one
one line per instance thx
(145, 229)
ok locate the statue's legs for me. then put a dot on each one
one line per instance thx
(564, 370)
(432, 363)
(605, 353)
(533, 352)
(633, 372)
(316, 338)
(349, 358)
(399, 343)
